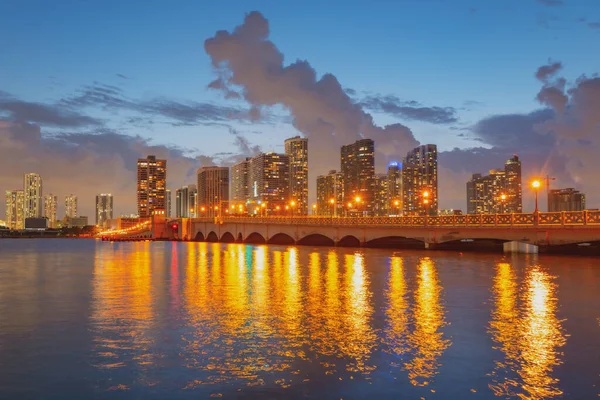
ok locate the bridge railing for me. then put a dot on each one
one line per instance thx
(566, 218)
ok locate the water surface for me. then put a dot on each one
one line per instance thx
(88, 319)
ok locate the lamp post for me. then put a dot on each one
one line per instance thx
(332, 202)
(426, 204)
(536, 184)
(314, 207)
(357, 200)
(292, 205)
(262, 209)
(502, 200)
(397, 205)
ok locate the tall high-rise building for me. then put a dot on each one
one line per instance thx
(420, 176)
(71, 206)
(32, 188)
(394, 188)
(514, 190)
(297, 150)
(182, 202)
(15, 207)
(239, 181)
(381, 202)
(498, 192)
(268, 182)
(50, 204)
(565, 200)
(193, 200)
(213, 190)
(330, 187)
(484, 193)
(151, 185)
(168, 203)
(104, 208)
(358, 168)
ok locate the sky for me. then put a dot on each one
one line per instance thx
(87, 87)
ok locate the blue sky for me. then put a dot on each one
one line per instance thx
(478, 58)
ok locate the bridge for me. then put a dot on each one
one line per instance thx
(526, 232)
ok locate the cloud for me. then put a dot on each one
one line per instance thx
(545, 72)
(321, 108)
(551, 3)
(50, 115)
(594, 25)
(122, 76)
(410, 110)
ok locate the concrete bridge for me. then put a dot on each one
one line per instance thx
(511, 232)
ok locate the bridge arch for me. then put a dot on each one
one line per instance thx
(255, 238)
(349, 241)
(316, 239)
(199, 237)
(395, 242)
(281, 238)
(212, 237)
(227, 237)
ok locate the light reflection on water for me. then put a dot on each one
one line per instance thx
(220, 319)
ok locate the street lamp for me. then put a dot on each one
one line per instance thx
(502, 200)
(314, 207)
(536, 184)
(262, 209)
(357, 200)
(292, 205)
(332, 202)
(397, 204)
(426, 201)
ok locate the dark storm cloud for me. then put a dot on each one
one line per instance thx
(175, 112)
(17, 110)
(410, 110)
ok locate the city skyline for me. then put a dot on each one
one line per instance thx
(478, 111)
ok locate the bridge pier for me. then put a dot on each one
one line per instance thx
(520, 247)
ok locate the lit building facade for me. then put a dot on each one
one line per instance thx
(185, 198)
(104, 208)
(296, 149)
(15, 207)
(565, 200)
(381, 203)
(420, 176)
(485, 193)
(268, 183)
(330, 187)
(394, 188)
(50, 204)
(32, 188)
(213, 190)
(151, 185)
(70, 206)
(514, 188)
(239, 181)
(498, 192)
(358, 169)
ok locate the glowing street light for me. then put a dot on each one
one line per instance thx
(536, 184)
(503, 198)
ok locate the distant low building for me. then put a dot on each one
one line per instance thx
(567, 199)
(75, 222)
(450, 212)
(36, 224)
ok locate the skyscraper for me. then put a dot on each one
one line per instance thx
(104, 208)
(71, 206)
(168, 203)
(182, 202)
(15, 207)
(297, 150)
(514, 191)
(330, 187)
(268, 182)
(381, 201)
(50, 204)
(420, 177)
(484, 193)
(394, 188)
(565, 200)
(192, 200)
(239, 181)
(213, 190)
(151, 185)
(32, 188)
(358, 169)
